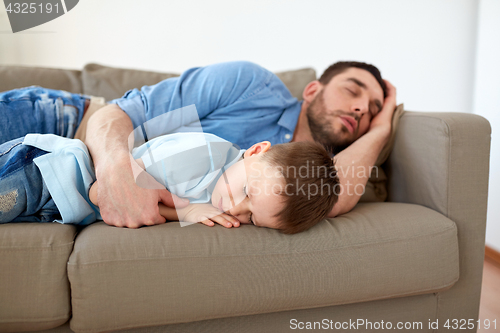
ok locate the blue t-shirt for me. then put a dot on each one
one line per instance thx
(187, 164)
(240, 102)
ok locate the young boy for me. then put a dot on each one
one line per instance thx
(289, 187)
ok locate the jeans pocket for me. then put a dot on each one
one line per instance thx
(8, 146)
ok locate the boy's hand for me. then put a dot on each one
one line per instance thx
(206, 214)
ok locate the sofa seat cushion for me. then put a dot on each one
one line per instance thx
(124, 278)
(34, 287)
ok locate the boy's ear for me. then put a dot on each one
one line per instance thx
(311, 90)
(258, 148)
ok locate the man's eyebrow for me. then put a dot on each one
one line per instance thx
(377, 102)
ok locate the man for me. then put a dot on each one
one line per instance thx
(349, 107)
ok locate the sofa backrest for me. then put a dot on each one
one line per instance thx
(12, 77)
(111, 82)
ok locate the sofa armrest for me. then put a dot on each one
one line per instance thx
(441, 161)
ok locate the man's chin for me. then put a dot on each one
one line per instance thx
(344, 138)
(339, 144)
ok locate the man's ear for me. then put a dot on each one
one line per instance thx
(311, 90)
(258, 148)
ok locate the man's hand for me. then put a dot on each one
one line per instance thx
(383, 120)
(206, 214)
(123, 203)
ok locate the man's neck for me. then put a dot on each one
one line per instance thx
(302, 131)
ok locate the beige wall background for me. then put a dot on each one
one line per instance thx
(434, 51)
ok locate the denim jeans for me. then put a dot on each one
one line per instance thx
(39, 110)
(24, 196)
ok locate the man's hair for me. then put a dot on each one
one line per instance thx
(310, 184)
(341, 66)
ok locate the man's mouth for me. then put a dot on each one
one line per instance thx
(350, 123)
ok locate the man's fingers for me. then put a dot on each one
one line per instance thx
(158, 220)
(152, 217)
(391, 90)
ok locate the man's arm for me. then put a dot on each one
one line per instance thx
(361, 156)
(122, 202)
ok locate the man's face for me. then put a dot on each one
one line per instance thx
(342, 110)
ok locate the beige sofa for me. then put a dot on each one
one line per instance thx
(416, 258)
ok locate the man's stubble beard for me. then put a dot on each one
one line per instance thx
(322, 130)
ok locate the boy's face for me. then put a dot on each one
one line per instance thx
(248, 190)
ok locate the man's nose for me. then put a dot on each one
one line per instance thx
(360, 107)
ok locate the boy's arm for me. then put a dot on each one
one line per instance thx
(362, 155)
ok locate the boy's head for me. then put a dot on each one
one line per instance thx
(290, 187)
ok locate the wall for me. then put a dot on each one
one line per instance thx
(487, 104)
(425, 47)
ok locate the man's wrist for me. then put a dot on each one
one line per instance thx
(381, 131)
(112, 165)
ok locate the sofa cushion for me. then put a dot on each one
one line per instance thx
(34, 288)
(297, 80)
(111, 82)
(18, 77)
(124, 278)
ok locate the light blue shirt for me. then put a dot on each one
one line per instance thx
(68, 173)
(187, 164)
(240, 102)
